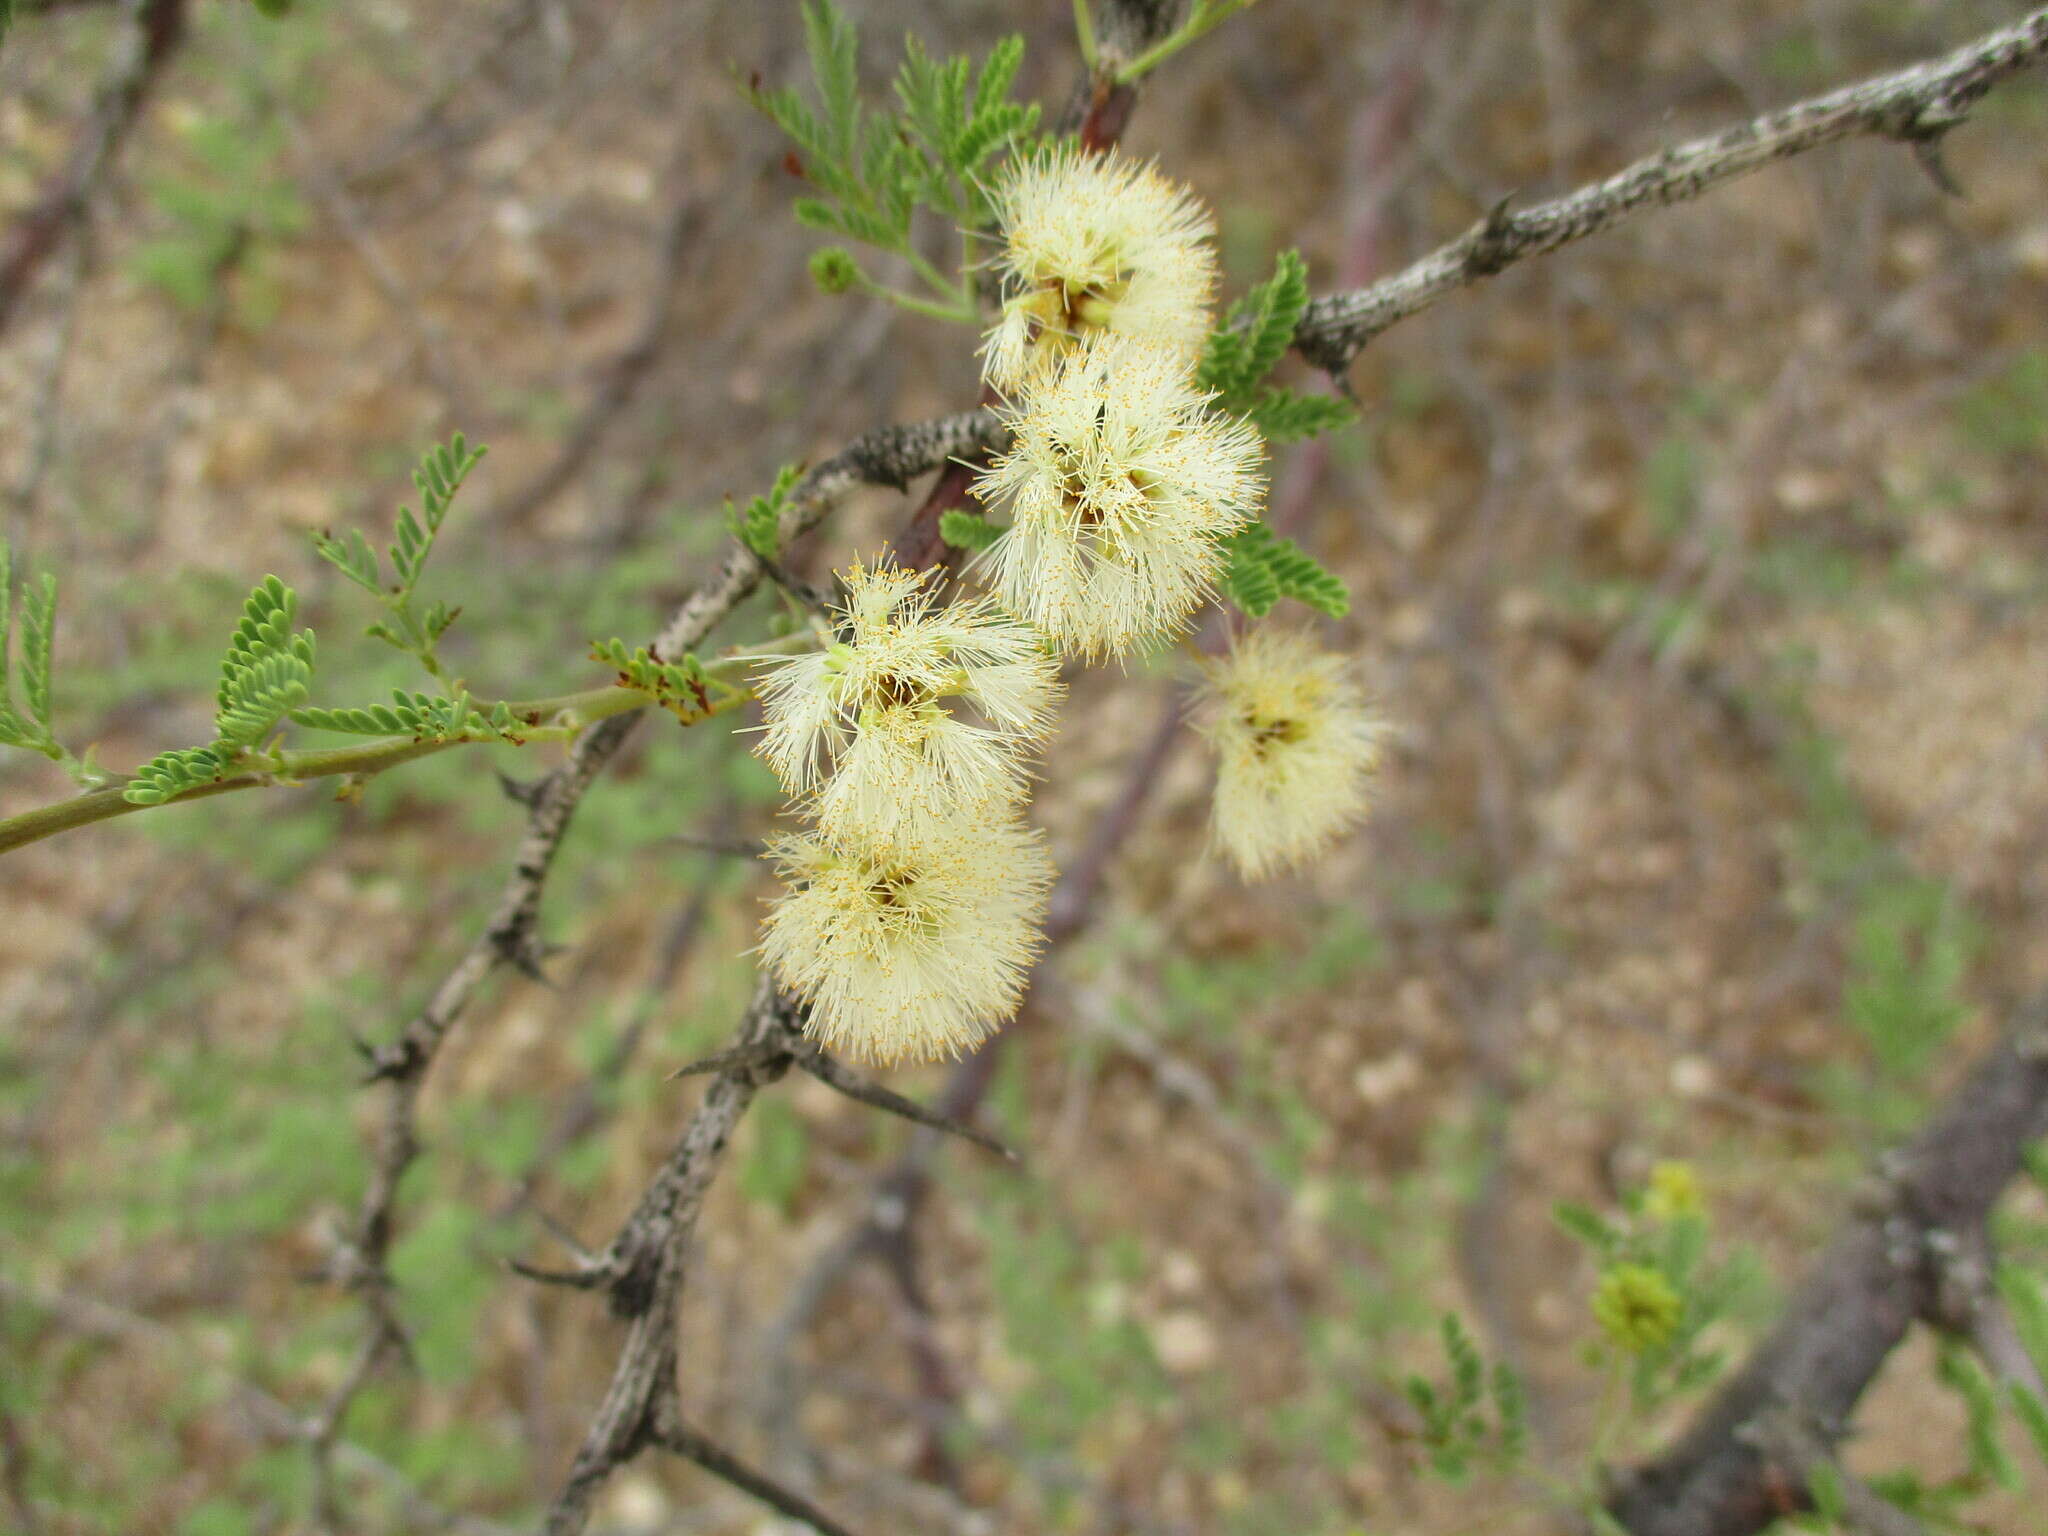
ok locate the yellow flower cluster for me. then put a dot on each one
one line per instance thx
(1121, 486)
(909, 921)
(1296, 747)
(911, 916)
(1096, 244)
(1637, 1308)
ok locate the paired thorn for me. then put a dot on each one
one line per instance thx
(1923, 130)
(519, 947)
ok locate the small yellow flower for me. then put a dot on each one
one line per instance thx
(1120, 485)
(915, 945)
(1094, 243)
(1674, 1192)
(915, 710)
(1637, 1308)
(1296, 748)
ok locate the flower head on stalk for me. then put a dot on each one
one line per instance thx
(1296, 747)
(914, 710)
(1121, 484)
(1095, 243)
(912, 945)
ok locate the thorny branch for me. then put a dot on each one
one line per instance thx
(641, 1272)
(891, 456)
(1916, 106)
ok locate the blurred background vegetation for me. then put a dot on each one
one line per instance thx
(1702, 569)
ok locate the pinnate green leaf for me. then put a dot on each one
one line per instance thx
(1263, 568)
(966, 530)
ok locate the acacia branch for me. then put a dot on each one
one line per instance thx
(1916, 106)
(1884, 1271)
(641, 1272)
(890, 456)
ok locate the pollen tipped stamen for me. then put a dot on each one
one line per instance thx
(918, 711)
(1296, 748)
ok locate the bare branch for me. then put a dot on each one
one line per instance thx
(736, 1058)
(1914, 106)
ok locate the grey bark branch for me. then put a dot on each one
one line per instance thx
(1883, 1272)
(642, 1270)
(1916, 106)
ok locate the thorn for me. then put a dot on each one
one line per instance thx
(740, 1058)
(726, 847)
(1927, 155)
(834, 1075)
(526, 792)
(575, 1279)
(392, 1063)
(806, 594)
(401, 1341)
(518, 948)
(1488, 251)
(559, 1231)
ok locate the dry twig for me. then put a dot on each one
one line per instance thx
(1916, 106)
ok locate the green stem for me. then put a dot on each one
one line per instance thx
(549, 719)
(910, 301)
(1206, 16)
(940, 284)
(1084, 33)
